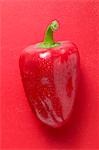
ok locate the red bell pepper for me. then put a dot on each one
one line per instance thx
(49, 72)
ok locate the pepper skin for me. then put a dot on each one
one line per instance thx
(49, 72)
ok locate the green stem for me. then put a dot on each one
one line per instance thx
(48, 39)
(49, 32)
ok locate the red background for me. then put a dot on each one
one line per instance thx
(23, 23)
